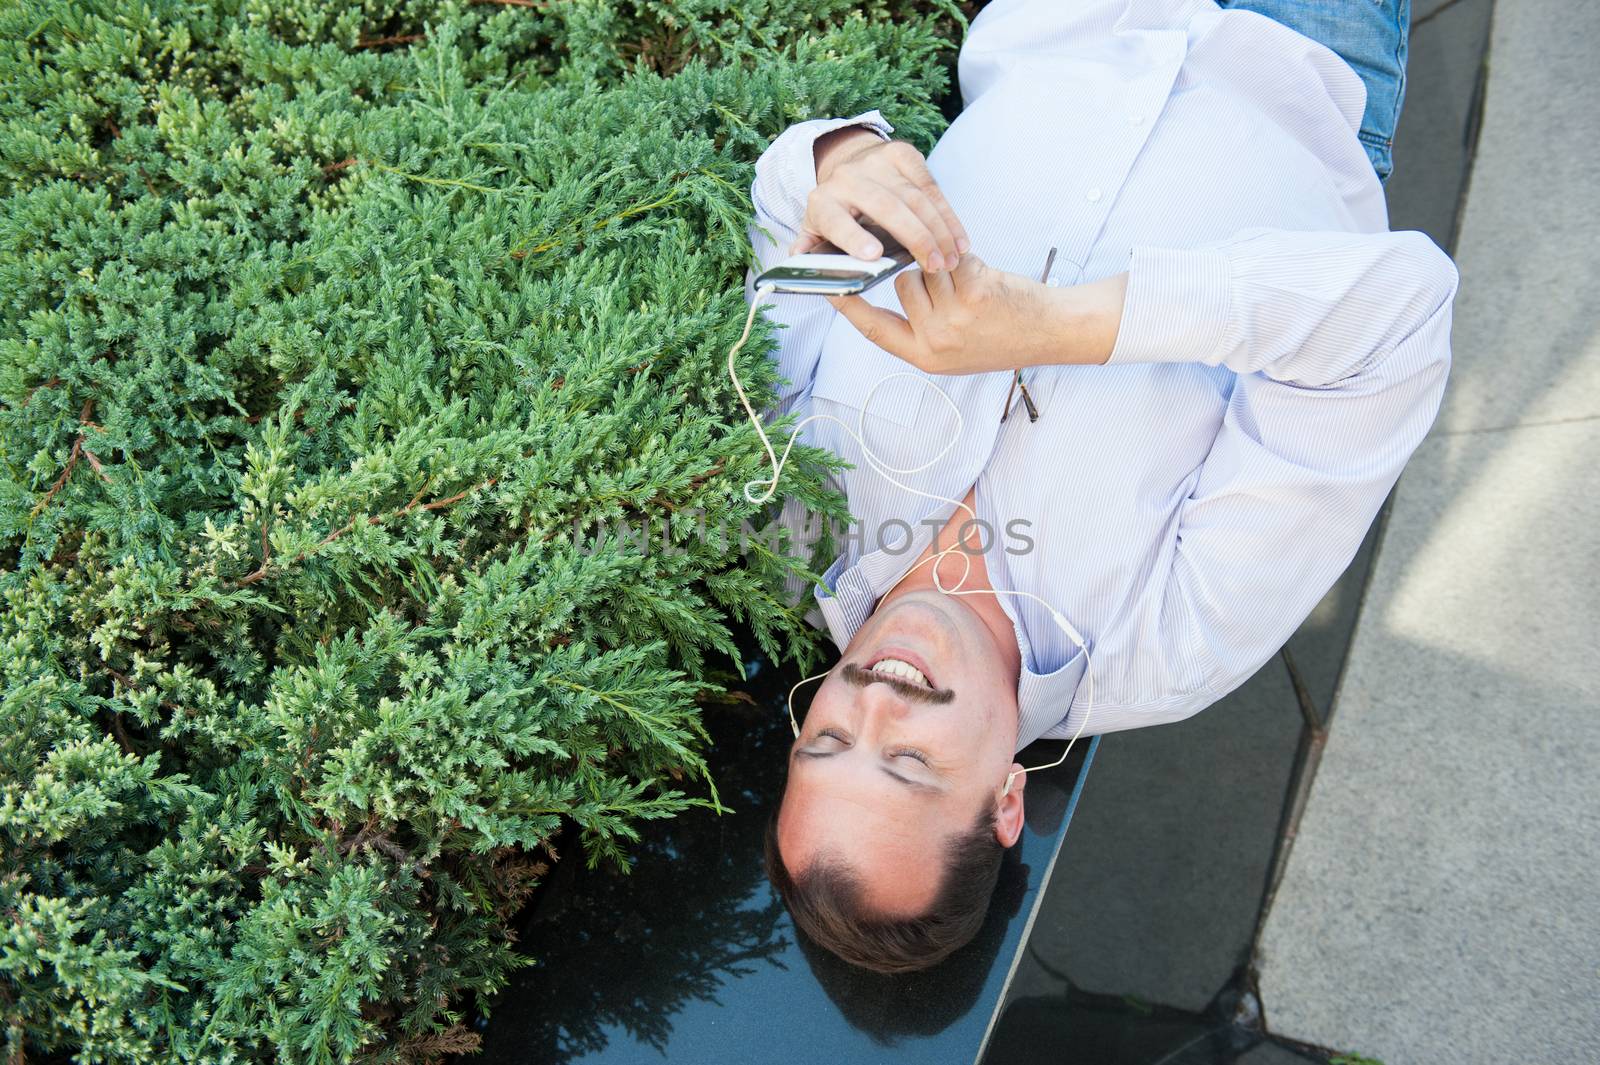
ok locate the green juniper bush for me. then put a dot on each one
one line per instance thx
(324, 325)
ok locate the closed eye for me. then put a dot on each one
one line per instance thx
(798, 752)
(902, 752)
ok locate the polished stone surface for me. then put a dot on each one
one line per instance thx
(692, 957)
(1075, 1028)
(1439, 903)
(1157, 897)
(1424, 10)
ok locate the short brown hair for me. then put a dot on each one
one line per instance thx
(826, 903)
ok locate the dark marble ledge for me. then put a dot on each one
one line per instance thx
(691, 957)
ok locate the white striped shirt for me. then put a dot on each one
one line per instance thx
(1280, 354)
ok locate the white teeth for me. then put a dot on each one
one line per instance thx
(894, 667)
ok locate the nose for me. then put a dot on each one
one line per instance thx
(879, 701)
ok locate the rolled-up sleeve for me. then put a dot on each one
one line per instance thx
(1304, 308)
(787, 171)
(785, 175)
(1341, 343)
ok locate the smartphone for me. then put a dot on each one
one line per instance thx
(830, 272)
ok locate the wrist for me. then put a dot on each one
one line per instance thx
(1080, 322)
(835, 146)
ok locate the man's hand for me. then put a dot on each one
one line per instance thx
(976, 319)
(859, 173)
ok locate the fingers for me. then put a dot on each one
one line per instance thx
(925, 209)
(884, 328)
(941, 288)
(889, 183)
(804, 243)
(903, 211)
(912, 288)
(828, 217)
(915, 168)
(968, 274)
(891, 210)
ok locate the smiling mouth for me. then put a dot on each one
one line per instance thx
(891, 665)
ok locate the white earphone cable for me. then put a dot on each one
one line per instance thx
(887, 472)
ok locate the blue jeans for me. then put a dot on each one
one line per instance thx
(1370, 35)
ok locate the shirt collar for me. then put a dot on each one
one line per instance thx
(1043, 699)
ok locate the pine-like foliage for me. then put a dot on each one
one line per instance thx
(331, 332)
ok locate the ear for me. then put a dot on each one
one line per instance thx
(1008, 817)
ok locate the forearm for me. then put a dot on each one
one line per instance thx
(831, 149)
(1079, 323)
(1311, 309)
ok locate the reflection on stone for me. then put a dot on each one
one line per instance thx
(1160, 884)
(626, 953)
(889, 1008)
(1075, 1027)
(691, 957)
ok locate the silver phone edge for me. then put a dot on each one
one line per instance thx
(824, 288)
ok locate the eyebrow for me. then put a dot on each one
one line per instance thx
(854, 674)
(910, 782)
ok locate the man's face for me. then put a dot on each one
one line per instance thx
(890, 764)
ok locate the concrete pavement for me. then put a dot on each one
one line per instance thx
(1439, 904)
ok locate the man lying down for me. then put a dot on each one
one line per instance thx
(1230, 359)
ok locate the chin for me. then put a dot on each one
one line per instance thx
(930, 608)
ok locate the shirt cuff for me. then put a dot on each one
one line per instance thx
(1176, 307)
(787, 172)
(845, 601)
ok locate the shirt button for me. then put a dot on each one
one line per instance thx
(1134, 120)
(1053, 283)
(1093, 195)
